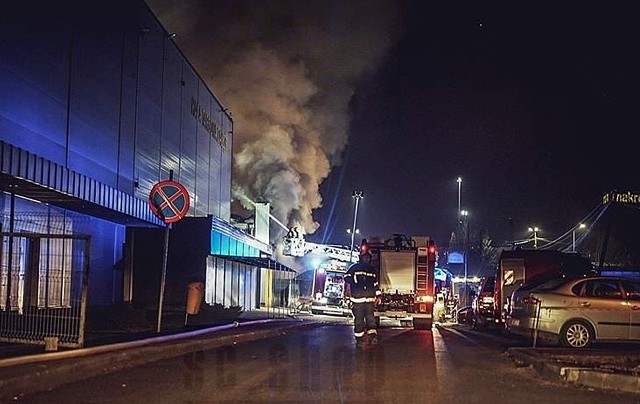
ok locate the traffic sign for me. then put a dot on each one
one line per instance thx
(169, 201)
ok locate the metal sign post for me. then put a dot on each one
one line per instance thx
(169, 201)
(165, 254)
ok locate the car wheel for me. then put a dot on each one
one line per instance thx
(577, 334)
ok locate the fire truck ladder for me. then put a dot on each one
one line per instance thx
(422, 273)
(295, 245)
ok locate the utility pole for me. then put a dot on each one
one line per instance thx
(465, 214)
(535, 231)
(579, 226)
(357, 195)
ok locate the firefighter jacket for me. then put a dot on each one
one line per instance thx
(363, 282)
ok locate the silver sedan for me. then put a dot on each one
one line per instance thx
(578, 312)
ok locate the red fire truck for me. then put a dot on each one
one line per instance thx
(406, 275)
(329, 294)
(329, 289)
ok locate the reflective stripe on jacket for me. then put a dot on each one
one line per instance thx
(363, 282)
(362, 299)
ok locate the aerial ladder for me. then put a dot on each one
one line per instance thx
(296, 246)
(329, 292)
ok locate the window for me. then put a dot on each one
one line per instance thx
(603, 288)
(632, 289)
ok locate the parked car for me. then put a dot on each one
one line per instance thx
(578, 312)
(465, 315)
(484, 312)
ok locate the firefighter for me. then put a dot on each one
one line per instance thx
(363, 282)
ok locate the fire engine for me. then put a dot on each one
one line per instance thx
(406, 269)
(406, 274)
(330, 295)
(329, 292)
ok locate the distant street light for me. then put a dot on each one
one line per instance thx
(580, 226)
(535, 231)
(357, 195)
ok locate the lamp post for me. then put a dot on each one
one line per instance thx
(357, 195)
(459, 189)
(465, 215)
(535, 231)
(580, 226)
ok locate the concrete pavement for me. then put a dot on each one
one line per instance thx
(34, 372)
(612, 367)
(598, 369)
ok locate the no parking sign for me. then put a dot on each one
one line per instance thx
(169, 201)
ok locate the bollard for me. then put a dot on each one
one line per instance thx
(50, 344)
(195, 293)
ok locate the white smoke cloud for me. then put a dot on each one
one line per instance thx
(287, 71)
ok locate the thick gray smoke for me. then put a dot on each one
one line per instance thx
(287, 71)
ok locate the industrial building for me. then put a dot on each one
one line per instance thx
(98, 105)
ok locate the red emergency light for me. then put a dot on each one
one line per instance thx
(431, 251)
(364, 247)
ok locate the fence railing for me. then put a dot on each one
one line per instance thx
(44, 288)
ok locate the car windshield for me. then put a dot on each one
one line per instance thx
(489, 285)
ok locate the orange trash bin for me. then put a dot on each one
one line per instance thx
(195, 293)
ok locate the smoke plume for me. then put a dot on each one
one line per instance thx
(287, 71)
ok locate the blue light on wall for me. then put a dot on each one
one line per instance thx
(222, 244)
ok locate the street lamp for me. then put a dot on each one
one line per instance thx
(580, 226)
(349, 231)
(464, 214)
(357, 195)
(535, 231)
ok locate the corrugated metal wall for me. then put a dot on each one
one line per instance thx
(100, 90)
(104, 91)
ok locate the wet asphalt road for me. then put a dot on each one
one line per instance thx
(322, 364)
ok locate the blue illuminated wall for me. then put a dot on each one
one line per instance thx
(102, 89)
(223, 244)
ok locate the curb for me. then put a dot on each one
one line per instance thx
(43, 357)
(37, 373)
(587, 377)
(600, 379)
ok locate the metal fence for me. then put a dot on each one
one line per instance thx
(43, 288)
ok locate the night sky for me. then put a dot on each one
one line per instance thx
(536, 110)
(535, 107)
